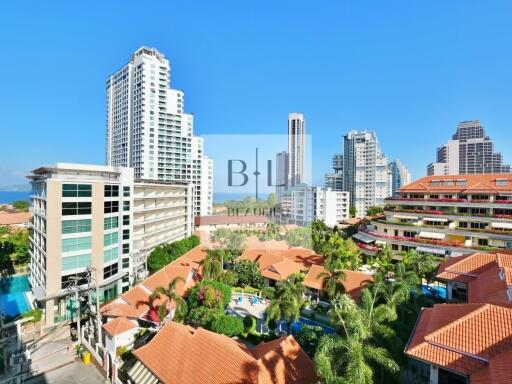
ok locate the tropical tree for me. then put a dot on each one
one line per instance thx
(423, 265)
(351, 356)
(384, 261)
(287, 302)
(213, 264)
(172, 296)
(332, 282)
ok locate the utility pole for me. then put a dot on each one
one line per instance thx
(79, 338)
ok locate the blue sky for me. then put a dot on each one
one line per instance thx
(410, 70)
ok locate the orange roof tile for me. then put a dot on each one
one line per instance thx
(7, 218)
(118, 325)
(176, 353)
(163, 277)
(475, 183)
(462, 268)
(465, 338)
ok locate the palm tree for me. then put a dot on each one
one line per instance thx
(399, 290)
(287, 302)
(332, 282)
(213, 264)
(422, 265)
(171, 295)
(384, 260)
(349, 357)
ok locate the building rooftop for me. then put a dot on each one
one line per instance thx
(490, 183)
(14, 218)
(118, 326)
(181, 354)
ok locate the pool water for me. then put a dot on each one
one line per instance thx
(297, 325)
(434, 290)
(13, 297)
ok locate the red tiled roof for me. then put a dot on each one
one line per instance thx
(178, 354)
(477, 183)
(7, 218)
(465, 338)
(275, 264)
(119, 325)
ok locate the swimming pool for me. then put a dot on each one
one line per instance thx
(297, 325)
(13, 297)
(434, 291)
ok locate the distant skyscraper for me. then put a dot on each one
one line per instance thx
(334, 180)
(281, 173)
(148, 129)
(469, 151)
(400, 176)
(366, 171)
(296, 149)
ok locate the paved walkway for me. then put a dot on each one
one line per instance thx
(73, 373)
(247, 307)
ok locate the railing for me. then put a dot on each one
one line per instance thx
(442, 213)
(446, 200)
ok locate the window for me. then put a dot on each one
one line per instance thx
(76, 244)
(110, 238)
(76, 226)
(110, 254)
(126, 220)
(76, 190)
(75, 262)
(501, 182)
(110, 293)
(109, 271)
(111, 190)
(126, 248)
(69, 209)
(110, 222)
(126, 234)
(126, 263)
(126, 191)
(126, 205)
(125, 279)
(111, 207)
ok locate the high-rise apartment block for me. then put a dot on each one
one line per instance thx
(147, 127)
(400, 176)
(469, 151)
(281, 173)
(334, 180)
(94, 226)
(366, 171)
(296, 149)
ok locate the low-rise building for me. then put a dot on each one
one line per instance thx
(209, 224)
(303, 204)
(15, 219)
(93, 227)
(447, 216)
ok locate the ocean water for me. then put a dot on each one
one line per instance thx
(7, 197)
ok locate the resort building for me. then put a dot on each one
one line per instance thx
(468, 342)
(366, 171)
(209, 224)
(182, 354)
(446, 216)
(147, 128)
(93, 226)
(470, 151)
(303, 204)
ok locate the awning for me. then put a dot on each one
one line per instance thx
(431, 250)
(437, 219)
(456, 254)
(501, 225)
(432, 235)
(362, 237)
(140, 374)
(381, 242)
(405, 217)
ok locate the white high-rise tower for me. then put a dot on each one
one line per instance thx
(147, 128)
(296, 149)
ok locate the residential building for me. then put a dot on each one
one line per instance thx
(15, 219)
(303, 204)
(400, 176)
(209, 224)
(447, 216)
(147, 127)
(470, 151)
(296, 149)
(366, 171)
(467, 341)
(281, 173)
(93, 226)
(182, 354)
(334, 180)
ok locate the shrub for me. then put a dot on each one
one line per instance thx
(36, 313)
(202, 316)
(212, 294)
(229, 278)
(249, 324)
(227, 325)
(308, 337)
(248, 273)
(167, 253)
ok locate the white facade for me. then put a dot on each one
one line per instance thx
(303, 204)
(147, 127)
(400, 176)
(366, 171)
(281, 173)
(296, 149)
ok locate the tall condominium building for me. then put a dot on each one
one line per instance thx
(296, 149)
(147, 127)
(93, 226)
(302, 204)
(281, 173)
(400, 176)
(447, 216)
(366, 171)
(469, 151)
(334, 180)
